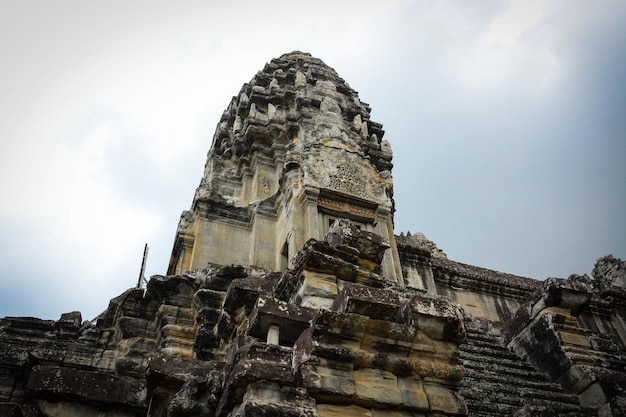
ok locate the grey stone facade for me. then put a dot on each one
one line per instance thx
(288, 294)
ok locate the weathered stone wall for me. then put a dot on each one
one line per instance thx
(328, 337)
(482, 293)
(276, 305)
(570, 329)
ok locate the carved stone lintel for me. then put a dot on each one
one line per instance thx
(347, 207)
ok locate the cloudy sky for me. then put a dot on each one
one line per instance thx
(507, 120)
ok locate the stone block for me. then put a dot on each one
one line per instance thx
(443, 400)
(437, 351)
(166, 314)
(169, 314)
(291, 319)
(347, 325)
(564, 296)
(578, 339)
(394, 413)
(176, 371)
(128, 327)
(93, 386)
(71, 409)
(240, 295)
(12, 355)
(335, 336)
(208, 298)
(176, 290)
(262, 361)
(414, 397)
(80, 355)
(331, 410)
(131, 303)
(67, 327)
(270, 399)
(130, 366)
(173, 333)
(389, 337)
(438, 318)
(376, 388)
(318, 290)
(371, 246)
(375, 303)
(329, 381)
(322, 257)
(366, 267)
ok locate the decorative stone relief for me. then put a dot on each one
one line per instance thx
(346, 207)
(349, 180)
(265, 187)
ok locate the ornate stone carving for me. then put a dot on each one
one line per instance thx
(349, 180)
(346, 207)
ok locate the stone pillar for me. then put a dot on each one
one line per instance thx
(273, 335)
(186, 254)
(391, 260)
(263, 243)
(309, 205)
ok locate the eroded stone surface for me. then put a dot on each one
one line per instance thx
(287, 294)
(294, 151)
(379, 347)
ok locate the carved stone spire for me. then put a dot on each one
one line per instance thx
(294, 150)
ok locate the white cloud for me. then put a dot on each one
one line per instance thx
(520, 17)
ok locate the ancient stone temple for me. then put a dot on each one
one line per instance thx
(288, 294)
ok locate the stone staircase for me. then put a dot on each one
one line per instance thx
(498, 383)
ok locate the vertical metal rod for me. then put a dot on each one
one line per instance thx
(143, 266)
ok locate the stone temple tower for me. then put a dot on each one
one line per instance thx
(293, 152)
(288, 295)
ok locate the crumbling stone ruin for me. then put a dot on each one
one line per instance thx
(288, 294)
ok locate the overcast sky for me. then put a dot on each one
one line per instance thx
(507, 120)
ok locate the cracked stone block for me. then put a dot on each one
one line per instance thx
(377, 388)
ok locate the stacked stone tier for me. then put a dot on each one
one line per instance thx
(499, 383)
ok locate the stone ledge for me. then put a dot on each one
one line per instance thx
(86, 386)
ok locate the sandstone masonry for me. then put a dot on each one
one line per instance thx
(288, 294)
